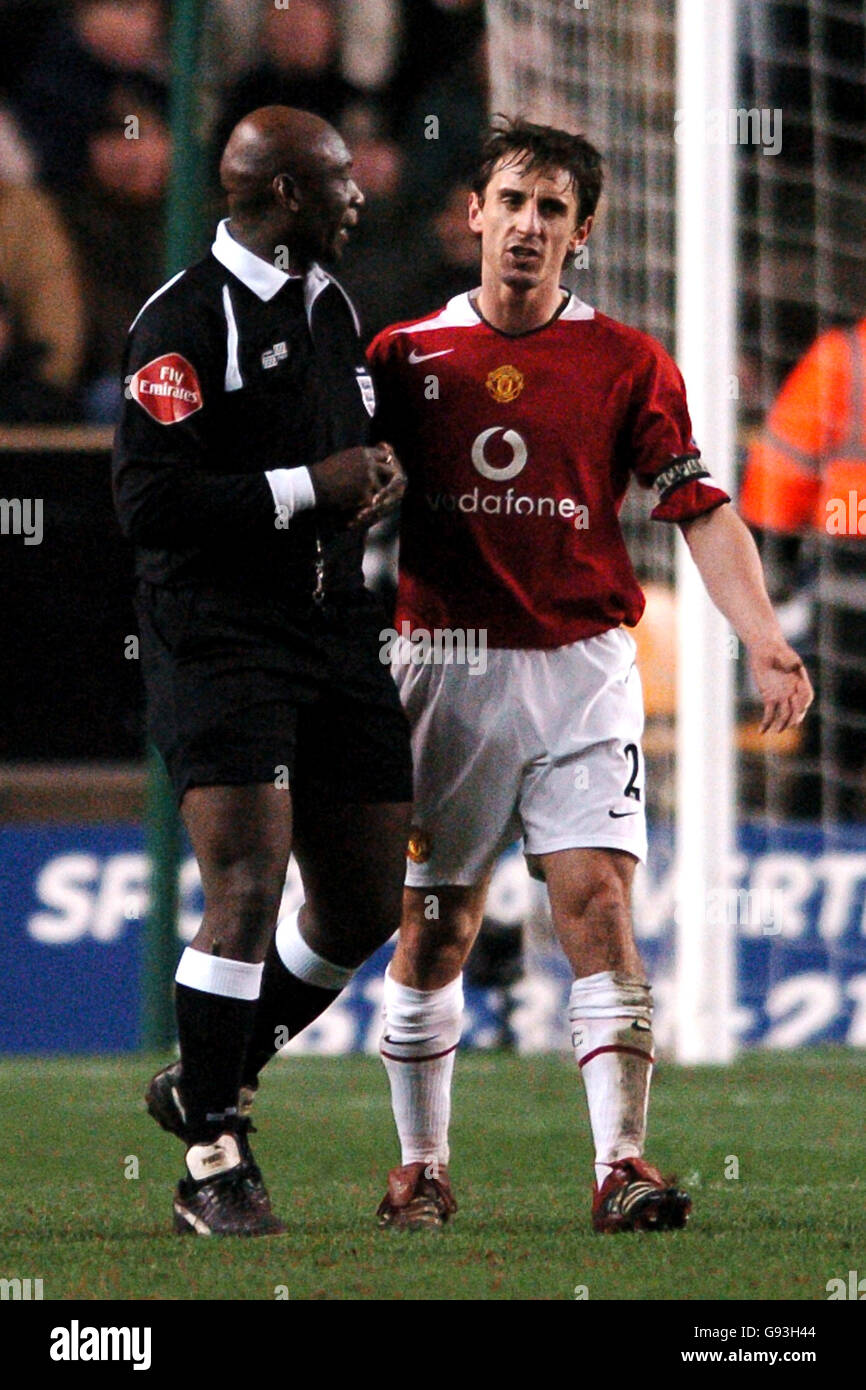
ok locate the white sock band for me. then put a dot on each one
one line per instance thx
(608, 995)
(421, 1024)
(419, 1045)
(610, 1013)
(233, 979)
(302, 961)
(611, 1030)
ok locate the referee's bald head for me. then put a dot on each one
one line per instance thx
(288, 172)
(271, 141)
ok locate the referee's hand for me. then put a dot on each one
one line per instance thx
(391, 486)
(360, 481)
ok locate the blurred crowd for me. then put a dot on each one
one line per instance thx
(85, 158)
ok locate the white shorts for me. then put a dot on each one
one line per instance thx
(542, 744)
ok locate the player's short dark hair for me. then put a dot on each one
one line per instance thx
(546, 148)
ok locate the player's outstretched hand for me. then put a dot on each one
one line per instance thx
(392, 485)
(353, 479)
(783, 685)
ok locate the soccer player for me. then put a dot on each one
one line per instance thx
(245, 475)
(522, 414)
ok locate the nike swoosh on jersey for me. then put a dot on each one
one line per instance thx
(415, 356)
(618, 815)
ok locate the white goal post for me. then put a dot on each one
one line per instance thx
(706, 352)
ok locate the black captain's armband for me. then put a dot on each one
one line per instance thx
(688, 468)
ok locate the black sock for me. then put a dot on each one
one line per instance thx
(285, 1003)
(214, 1032)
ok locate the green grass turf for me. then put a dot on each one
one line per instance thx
(521, 1164)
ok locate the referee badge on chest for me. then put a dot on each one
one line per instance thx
(368, 393)
(272, 356)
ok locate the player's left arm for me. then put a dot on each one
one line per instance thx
(666, 458)
(727, 558)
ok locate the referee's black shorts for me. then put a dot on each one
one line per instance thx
(247, 689)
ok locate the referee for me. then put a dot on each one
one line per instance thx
(245, 475)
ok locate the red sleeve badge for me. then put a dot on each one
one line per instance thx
(167, 388)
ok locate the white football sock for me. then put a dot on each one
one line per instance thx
(611, 1031)
(419, 1041)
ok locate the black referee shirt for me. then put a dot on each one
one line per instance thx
(232, 369)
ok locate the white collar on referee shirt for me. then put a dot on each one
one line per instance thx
(262, 277)
(266, 279)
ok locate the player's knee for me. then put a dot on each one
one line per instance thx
(433, 961)
(602, 901)
(433, 950)
(245, 899)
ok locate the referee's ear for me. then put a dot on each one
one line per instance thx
(286, 191)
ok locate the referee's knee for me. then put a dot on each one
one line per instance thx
(241, 905)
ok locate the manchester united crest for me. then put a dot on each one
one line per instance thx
(418, 850)
(505, 384)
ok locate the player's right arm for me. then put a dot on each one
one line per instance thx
(166, 496)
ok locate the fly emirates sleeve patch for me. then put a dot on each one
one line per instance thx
(167, 388)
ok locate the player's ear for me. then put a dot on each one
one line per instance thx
(286, 192)
(475, 206)
(581, 233)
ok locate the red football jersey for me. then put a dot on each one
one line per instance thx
(519, 451)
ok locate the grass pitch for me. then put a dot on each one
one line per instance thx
(789, 1125)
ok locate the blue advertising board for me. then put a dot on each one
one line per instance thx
(73, 898)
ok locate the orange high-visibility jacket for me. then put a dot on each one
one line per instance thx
(807, 468)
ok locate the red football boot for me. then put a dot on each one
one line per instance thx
(416, 1201)
(635, 1197)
